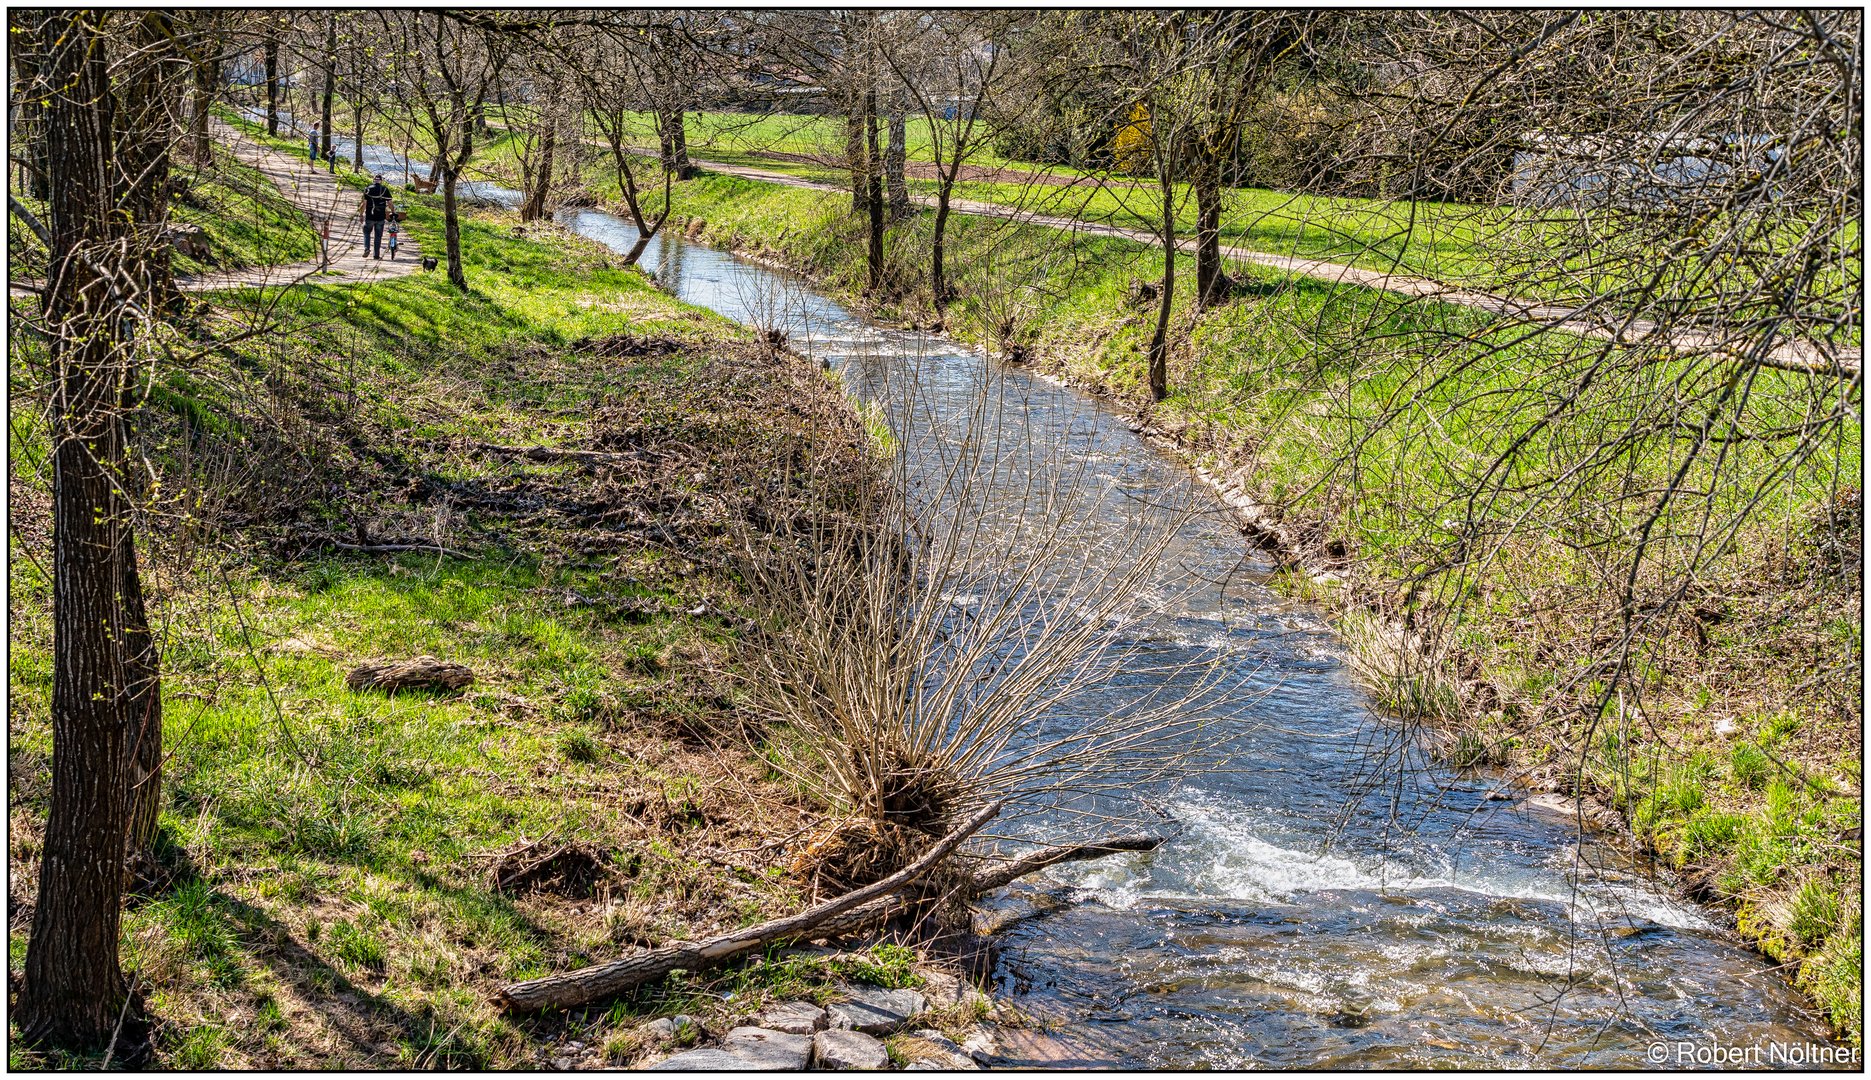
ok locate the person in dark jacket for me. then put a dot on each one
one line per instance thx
(375, 208)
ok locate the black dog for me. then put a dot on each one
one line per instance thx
(428, 262)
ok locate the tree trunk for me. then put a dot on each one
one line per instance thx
(1159, 338)
(938, 281)
(627, 183)
(874, 195)
(142, 149)
(679, 141)
(894, 162)
(207, 76)
(357, 141)
(73, 992)
(1210, 280)
(143, 689)
(540, 186)
(30, 121)
(855, 159)
(451, 230)
(331, 84)
(272, 87)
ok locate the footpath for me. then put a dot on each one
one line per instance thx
(328, 205)
(331, 207)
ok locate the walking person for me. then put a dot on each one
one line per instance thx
(311, 145)
(375, 209)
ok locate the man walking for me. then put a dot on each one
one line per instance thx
(376, 209)
(311, 145)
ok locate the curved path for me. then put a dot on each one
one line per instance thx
(328, 205)
(1585, 320)
(332, 209)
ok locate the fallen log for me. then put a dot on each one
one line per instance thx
(421, 673)
(988, 880)
(382, 549)
(847, 914)
(878, 912)
(603, 980)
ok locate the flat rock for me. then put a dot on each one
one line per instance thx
(666, 1028)
(707, 1061)
(979, 1045)
(1024, 1048)
(769, 1049)
(876, 1011)
(792, 1017)
(838, 1049)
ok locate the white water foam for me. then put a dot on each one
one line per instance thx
(1229, 858)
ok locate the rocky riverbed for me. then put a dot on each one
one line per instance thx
(935, 1026)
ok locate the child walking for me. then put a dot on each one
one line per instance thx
(394, 215)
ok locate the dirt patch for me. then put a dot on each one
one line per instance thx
(565, 869)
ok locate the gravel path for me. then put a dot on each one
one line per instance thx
(328, 204)
(325, 202)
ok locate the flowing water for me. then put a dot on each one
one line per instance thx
(1332, 899)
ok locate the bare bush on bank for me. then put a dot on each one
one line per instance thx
(966, 633)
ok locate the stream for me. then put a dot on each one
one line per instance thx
(1333, 899)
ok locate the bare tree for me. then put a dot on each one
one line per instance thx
(839, 49)
(328, 63)
(445, 67)
(270, 50)
(207, 45)
(101, 80)
(951, 67)
(616, 88)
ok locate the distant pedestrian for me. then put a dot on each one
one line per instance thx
(396, 217)
(331, 159)
(311, 145)
(375, 208)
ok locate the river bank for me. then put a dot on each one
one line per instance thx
(532, 480)
(1742, 774)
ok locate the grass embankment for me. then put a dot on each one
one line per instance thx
(244, 218)
(1528, 252)
(335, 859)
(1361, 419)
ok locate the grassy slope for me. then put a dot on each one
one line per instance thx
(1433, 240)
(247, 221)
(1517, 251)
(332, 852)
(1698, 781)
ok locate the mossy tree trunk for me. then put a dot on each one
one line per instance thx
(73, 994)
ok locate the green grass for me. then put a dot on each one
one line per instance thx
(1523, 251)
(246, 220)
(331, 852)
